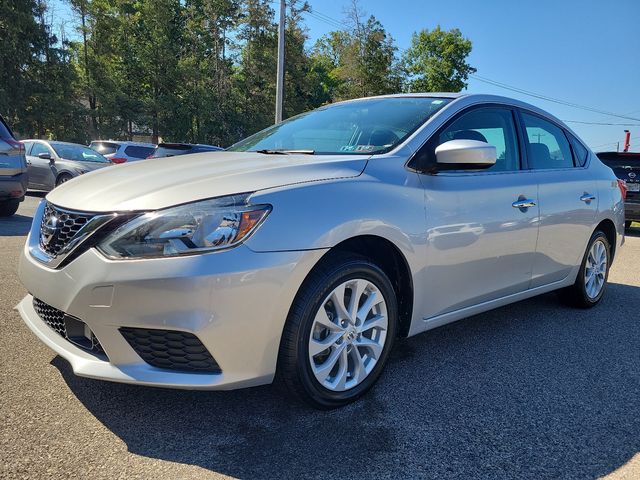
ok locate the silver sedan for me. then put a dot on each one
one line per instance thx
(306, 249)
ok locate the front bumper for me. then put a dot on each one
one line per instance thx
(235, 302)
(14, 188)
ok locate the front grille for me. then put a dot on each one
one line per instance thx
(55, 234)
(63, 325)
(171, 349)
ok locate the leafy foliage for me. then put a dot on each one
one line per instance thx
(436, 61)
(198, 70)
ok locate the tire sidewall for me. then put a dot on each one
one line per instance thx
(340, 274)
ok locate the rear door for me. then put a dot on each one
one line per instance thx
(480, 244)
(567, 196)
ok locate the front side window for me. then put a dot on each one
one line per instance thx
(494, 126)
(359, 127)
(548, 146)
(38, 148)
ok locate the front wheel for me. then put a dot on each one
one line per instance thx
(590, 284)
(339, 332)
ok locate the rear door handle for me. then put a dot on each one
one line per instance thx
(524, 203)
(587, 197)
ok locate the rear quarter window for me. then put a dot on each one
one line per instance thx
(580, 153)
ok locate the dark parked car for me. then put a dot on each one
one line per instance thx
(52, 163)
(626, 166)
(172, 149)
(13, 171)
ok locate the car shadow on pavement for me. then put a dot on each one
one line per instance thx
(532, 390)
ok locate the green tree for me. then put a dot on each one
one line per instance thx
(361, 59)
(436, 61)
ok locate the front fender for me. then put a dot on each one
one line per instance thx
(323, 214)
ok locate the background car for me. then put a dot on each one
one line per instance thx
(626, 166)
(13, 171)
(121, 152)
(52, 163)
(173, 149)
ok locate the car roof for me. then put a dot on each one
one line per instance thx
(125, 142)
(57, 142)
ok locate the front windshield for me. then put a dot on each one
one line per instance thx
(360, 127)
(78, 153)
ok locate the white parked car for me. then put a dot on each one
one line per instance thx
(121, 152)
(309, 247)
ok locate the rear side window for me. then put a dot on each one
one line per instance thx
(579, 151)
(27, 147)
(490, 125)
(105, 148)
(548, 146)
(137, 151)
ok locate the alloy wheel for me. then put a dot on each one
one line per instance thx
(595, 270)
(348, 335)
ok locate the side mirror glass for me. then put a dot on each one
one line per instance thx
(45, 156)
(465, 154)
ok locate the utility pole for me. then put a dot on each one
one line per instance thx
(280, 79)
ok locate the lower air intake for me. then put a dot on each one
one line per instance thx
(171, 350)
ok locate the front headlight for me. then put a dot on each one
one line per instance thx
(202, 226)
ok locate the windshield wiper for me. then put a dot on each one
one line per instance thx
(269, 151)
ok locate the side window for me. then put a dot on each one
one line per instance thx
(579, 151)
(138, 151)
(548, 145)
(490, 125)
(38, 148)
(27, 147)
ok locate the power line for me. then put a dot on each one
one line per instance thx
(550, 99)
(604, 123)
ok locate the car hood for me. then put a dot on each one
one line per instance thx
(164, 182)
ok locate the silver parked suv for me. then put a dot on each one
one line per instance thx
(309, 247)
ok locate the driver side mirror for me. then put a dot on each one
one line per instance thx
(47, 156)
(465, 154)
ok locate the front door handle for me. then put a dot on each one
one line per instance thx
(587, 197)
(523, 203)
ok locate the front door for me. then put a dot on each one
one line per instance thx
(40, 169)
(481, 242)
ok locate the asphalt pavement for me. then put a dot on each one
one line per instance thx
(532, 390)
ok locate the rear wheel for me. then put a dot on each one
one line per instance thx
(339, 332)
(9, 208)
(590, 284)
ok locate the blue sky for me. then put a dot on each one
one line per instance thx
(585, 52)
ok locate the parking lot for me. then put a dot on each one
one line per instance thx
(532, 390)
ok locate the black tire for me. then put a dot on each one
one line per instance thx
(627, 224)
(9, 208)
(294, 368)
(65, 177)
(576, 295)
